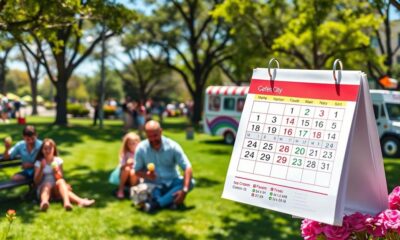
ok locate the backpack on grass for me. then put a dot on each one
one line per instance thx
(141, 193)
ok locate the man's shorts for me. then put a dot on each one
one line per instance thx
(27, 173)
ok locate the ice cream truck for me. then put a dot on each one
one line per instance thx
(387, 114)
(224, 105)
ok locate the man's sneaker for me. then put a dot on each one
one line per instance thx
(147, 207)
(150, 206)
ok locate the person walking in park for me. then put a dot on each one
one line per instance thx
(17, 108)
(164, 155)
(124, 174)
(27, 149)
(49, 177)
(5, 109)
(127, 109)
(141, 118)
(96, 108)
(160, 111)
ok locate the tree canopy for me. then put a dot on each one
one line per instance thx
(309, 34)
(62, 48)
(193, 43)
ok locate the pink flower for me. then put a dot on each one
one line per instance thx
(385, 225)
(375, 226)
(310, 229)
(337, 232)
(356, 222)
(390, 219)
(394, 199)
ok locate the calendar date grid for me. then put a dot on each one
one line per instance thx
(282, 141)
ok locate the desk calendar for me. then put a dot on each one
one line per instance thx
(307, 145)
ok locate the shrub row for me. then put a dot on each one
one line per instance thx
(77, 110)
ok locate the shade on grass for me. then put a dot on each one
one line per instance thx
(90, 155)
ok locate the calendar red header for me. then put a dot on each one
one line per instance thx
(305, 90)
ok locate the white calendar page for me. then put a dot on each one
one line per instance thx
(291, 142)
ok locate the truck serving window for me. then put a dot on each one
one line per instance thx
(383, 111)
(393, 111)
(214, 103)
(229, 104)
(240, 104)
(376, 111)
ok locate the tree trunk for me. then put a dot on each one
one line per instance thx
(389, 52)
(3, 71)
(197, 105)
(2, 78)
(61, 100)
(34, 96)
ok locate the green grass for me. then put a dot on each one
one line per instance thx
(90, 155)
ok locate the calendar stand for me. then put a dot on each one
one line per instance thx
(307, 145)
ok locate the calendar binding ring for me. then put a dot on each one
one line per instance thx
(273, 60)
(337, 61)
(337, 80)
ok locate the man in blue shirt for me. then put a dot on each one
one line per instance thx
(166, 155)
(27, 149)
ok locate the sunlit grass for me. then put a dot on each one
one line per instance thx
(90, 154)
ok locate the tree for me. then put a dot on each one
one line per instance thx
(384, 39)
(33, 70)
(77, 89)
(46, 89)
(246, 55)
(192, 41)
(20, 16)
(17, 81)
(145, 78)
(5, 47)
(255, 25)
(322, 30)
(64, 46)
(311, 34)
(139, 74)
(113, 86)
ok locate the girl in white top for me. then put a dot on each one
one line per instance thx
(48, 177)
(126, 163)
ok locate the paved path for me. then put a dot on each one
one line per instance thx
(41, 110)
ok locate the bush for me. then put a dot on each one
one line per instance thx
(77, 110)
(109, 111)
(49, 105)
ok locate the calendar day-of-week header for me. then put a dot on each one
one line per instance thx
(307, 101)
(279, 88)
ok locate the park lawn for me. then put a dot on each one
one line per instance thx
(90, 155)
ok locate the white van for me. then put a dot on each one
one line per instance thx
(387, 114)
(223, 107)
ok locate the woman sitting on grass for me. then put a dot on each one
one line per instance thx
(49, 180)
(124, 174)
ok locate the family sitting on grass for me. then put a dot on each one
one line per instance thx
(152, 161)
(41, 163)
(160, 153)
